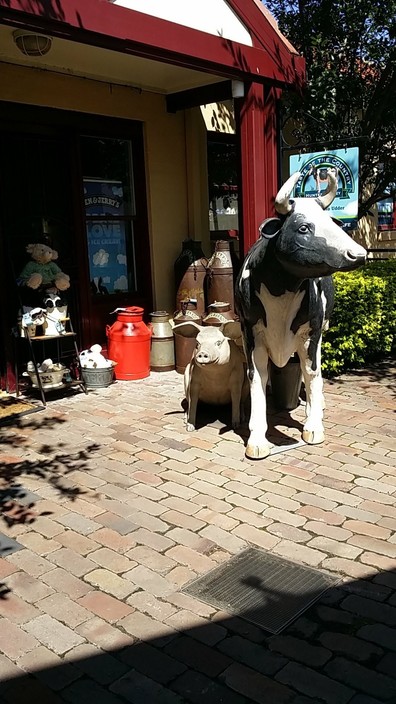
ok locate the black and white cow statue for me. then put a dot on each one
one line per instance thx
(284, 296)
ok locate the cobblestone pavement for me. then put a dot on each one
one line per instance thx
(117, 507)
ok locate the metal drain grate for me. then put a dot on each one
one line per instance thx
(264, 589)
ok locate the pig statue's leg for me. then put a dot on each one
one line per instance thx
(192, 409)
(191, 389)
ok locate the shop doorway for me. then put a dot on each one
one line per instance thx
(77, 183)
(35, 201)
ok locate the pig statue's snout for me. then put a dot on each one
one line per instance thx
(203, 357)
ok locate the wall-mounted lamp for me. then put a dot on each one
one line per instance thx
(237, 89)
(32, 44)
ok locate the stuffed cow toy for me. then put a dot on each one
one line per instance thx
(94, 359)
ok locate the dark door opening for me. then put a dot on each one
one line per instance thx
(36, 206)
(77, 183)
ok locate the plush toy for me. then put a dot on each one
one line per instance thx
(43, 271)
(93, 359)
(56, 313)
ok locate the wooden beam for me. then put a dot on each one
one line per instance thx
(257, 121)
(271, 129)
(121, 29)
(250, 119)
(212, 93)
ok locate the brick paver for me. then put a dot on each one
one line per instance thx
(133, 507)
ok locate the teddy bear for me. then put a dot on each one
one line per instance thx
(42, 270)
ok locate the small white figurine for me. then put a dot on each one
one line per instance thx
(94, 359)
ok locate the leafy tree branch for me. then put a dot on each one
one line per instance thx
(350, 50)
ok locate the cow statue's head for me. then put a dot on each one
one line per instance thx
(309, 243)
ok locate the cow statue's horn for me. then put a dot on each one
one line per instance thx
(326, 198)
(282, 200)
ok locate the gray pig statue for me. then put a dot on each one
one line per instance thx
(216, 373)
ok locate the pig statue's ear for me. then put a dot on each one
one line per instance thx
(232, 330)
(187, 329)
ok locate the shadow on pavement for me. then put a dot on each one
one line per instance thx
(383, 372)
(53, 462)
(342, 650)
(220, 417)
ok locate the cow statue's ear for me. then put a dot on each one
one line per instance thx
(270, 227)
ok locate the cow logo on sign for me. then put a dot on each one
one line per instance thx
(314, 169)
(314, 177)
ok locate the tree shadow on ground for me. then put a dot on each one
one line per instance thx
(21, 458)
(382, 372)
(340, 651)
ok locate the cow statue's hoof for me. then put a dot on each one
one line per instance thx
(313, 437)
(257, 452)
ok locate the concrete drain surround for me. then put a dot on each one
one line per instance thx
(8, 546)
(264, 589)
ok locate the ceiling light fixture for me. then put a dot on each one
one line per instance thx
(32, 44)
(237, 89)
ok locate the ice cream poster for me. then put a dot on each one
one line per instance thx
(106, 238)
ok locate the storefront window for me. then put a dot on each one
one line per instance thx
(387, 214)
(223, 184)
(109, 213)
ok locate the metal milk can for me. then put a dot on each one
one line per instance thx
(162, 352)
(220, 275)
(129, 344)
(190, 273)
(185, 346)
(219, 313)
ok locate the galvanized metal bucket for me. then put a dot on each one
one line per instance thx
(98, 378)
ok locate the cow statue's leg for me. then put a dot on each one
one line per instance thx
(310, 359)
(258, 446)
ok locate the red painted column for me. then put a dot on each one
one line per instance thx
(271, 148)
(256, 118)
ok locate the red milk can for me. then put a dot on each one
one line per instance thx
(129, 344)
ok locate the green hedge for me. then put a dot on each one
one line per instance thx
(363, 324)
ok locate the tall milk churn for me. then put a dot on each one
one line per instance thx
(220, 279)
(190, 272)
(129, 344)
(162, 353)
(185, 346)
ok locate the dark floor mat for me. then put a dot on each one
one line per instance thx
(262, 588)
(12, 408)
